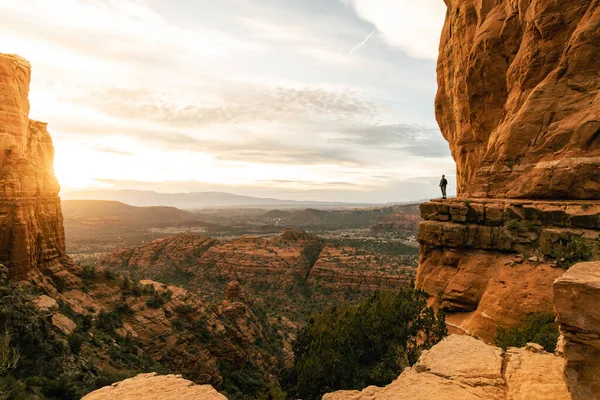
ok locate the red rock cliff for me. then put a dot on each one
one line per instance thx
(31, 223)
(518, 97)
(519, 104)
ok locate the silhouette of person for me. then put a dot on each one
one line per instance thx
(443, 184)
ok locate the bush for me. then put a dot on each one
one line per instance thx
(184, 309)
(89, 275)
(156, 301)
(540, 328)
(368, 344)
(109, 321)
(76, 340)
(9, 356)
(572, 252)
(124, 309)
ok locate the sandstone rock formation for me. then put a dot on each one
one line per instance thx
(475, 257)
(31, 224)
(518, 103)
(274, 266)
(155, 387)
(518, 97)
(577, 296)
(464, 368)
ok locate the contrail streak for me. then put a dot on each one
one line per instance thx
(361, 44)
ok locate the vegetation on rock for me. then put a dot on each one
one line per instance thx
(540, 328)
(572, 252)
(37, 361)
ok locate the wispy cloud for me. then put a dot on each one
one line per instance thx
(412, 26)
(361, 44)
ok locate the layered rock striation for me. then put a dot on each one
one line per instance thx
(518, 97)
(491, 262)
(31, 224)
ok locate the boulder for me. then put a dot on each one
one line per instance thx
(155, 387)
(45, 303)
(63, 323)
(464, 368)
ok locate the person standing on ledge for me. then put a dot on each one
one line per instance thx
(443, 184)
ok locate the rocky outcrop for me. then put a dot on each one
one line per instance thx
(461, 367)
(490, 262)
(577, 295)
(279, 266)
(518, 97)
(155, 387)
(176, 328)
(32, 236)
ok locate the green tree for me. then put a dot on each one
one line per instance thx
(540, 328)
(351, 347)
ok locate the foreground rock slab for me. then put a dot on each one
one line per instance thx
(155, 387)
(576, 300)
(464, 368)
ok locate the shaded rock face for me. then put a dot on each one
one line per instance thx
(577, 295)
(31, 224)
(461, 367)
(518, 97)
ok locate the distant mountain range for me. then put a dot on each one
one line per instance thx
(196, 200)
(77, 210)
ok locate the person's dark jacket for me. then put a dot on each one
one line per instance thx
(443, 182)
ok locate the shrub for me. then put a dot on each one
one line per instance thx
(109, 275)
(76, 340)
(156, 301)
(9, 356)
(89, 275)
(184, 309)
(540, 328)
(124, 309)
(109, 321)
(571, 252)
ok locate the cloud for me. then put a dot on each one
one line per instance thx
(418, 140)
(242, 105)
(361, 44)
(412, 26)
(112, 150)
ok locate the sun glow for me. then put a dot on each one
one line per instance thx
(198, 96)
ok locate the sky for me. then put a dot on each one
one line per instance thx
(294, 99)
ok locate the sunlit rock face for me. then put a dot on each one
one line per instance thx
(518, 97)
(31, 223)
(464, 368)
